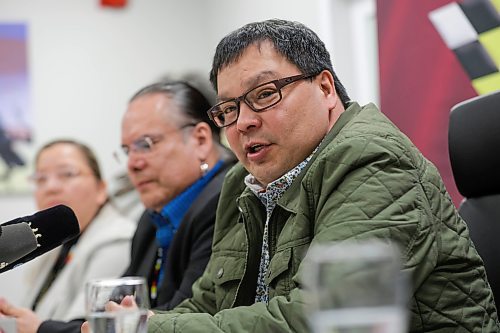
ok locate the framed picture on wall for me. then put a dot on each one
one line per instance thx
(16, 117)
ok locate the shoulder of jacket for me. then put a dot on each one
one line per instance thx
(369, 133)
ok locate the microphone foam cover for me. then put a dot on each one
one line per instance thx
(52, 227)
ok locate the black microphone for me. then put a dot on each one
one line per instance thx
(16, 241)
(26, 238)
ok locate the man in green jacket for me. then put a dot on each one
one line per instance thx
(317, 167)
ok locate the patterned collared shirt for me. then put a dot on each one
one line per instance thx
(269, 197)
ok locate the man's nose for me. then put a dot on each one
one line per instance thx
(135, 161)
(247, 118)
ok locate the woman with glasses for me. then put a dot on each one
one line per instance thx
(67, 172)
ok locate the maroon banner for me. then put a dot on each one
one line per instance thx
(420, 79)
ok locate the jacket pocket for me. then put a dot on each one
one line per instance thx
(279, 276)
(227, 273)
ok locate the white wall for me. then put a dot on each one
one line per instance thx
(86, 61)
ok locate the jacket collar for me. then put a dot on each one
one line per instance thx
(290, 199)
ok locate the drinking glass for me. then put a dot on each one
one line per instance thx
(355, 287)
(125, 320)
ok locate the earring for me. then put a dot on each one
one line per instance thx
(204, 168)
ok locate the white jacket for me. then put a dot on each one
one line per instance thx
(102, 251)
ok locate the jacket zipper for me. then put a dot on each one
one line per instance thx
(246, 257)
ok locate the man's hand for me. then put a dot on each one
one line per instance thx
(126, 303)
(85, 327)
(26, 320)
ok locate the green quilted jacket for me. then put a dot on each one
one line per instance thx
(366, 181)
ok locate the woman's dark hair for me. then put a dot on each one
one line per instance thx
(87, 153)
(296, 42)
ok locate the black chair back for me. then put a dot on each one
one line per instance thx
(474, 146)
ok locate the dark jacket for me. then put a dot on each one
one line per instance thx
(367, 180)
(190, 249)
(187, 256)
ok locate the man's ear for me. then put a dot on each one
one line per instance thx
(327, 86)
(202, 140)
(326, 82)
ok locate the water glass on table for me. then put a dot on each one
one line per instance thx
(103, 317)
(355, 287)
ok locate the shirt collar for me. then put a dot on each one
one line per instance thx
(274, 190)
(175, 210)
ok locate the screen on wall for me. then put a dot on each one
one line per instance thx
(16, 118)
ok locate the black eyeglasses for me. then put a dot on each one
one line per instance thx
(258, 99)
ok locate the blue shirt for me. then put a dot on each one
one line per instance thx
(168, 220)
